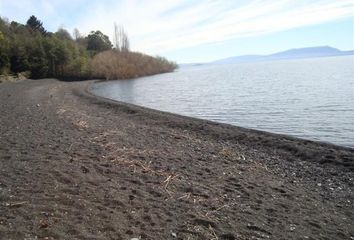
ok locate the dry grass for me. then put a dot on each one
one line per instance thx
(114, 64)
(13, 78)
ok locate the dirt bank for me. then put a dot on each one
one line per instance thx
(75, 166)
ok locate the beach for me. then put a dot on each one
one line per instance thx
(77, 166)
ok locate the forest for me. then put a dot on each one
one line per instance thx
(30, 51)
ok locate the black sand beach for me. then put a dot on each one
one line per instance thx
(76, 166)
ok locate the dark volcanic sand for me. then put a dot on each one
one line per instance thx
(75, 166)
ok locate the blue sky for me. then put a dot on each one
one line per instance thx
(200, 31)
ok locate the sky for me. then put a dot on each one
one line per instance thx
(188, 31)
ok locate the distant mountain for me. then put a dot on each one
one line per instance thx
(310, 52)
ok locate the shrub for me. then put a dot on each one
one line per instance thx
(115, 64)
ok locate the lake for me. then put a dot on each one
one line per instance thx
(306, 98)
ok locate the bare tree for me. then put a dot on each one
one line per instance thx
(116, 37)
(121, 41)
(125, 43)
(76, 34)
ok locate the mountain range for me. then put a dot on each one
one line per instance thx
(296, 53)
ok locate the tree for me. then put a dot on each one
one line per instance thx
(62, 57)
(36, 25)
(76, 34)
(32, 51)
(121, 41)
(19, 60)
(19, 54)
(4, 26)
(63, 34)
(98, 42)
(79, 39)
(4, 53)
(37, 59)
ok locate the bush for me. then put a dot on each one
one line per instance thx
(115, 64)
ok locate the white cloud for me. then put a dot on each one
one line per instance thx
(165, 25)
(158, 26)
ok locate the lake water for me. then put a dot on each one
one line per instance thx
(307, 98)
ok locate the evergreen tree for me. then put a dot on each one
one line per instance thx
(36, 25)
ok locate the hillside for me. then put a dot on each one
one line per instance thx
(296, 53)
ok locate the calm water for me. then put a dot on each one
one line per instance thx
(311, 98)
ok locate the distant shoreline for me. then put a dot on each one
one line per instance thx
(291, 54)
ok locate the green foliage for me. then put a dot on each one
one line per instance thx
(57, 54)
(19, 59)
(16, 28)
(36, 25)
(3, 26)
(30, 51)
(4, 54)
(98, 42)
(63, 34)
(38, 63)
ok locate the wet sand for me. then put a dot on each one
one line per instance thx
(77, 166)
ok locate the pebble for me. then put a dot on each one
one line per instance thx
(292, 227)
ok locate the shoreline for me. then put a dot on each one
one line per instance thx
(290, 128)
(237, 130)
(77, 165)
